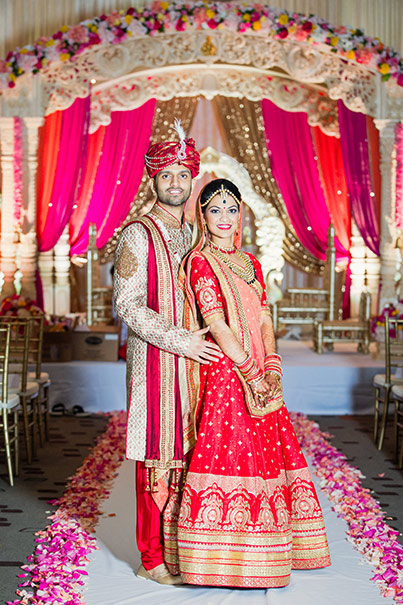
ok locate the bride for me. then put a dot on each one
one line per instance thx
(248, 513)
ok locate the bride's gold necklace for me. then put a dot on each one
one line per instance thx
(247, 273)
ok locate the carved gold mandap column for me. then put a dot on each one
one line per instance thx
(388, 206)
(28, 249)
(8, 245)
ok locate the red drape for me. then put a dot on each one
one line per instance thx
(333, 178)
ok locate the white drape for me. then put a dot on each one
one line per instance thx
(23, 21)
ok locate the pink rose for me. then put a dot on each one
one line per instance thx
(180, 25)
(301, 34)
(3, 67)
(199, 16)
(363, 55)
(78, 34)
(400, 80)
(212, 24)
(27, 62)
(112, 17)
(156, 6)
(341, 29)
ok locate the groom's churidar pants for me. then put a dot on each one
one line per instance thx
(149, 522)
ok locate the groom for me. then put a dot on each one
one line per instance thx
(148, 299)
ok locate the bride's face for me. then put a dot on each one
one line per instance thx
(222, 217)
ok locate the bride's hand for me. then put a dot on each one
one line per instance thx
(262, 387)
(272, 380)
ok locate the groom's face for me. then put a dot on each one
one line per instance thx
(173, 185)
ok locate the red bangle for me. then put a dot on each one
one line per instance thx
(250, 371)
(272, 363)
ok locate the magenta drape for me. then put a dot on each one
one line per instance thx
(293, 162)
(354, 145)
(118, 174)
(72, 154)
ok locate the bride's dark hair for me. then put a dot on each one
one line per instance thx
(214, 187)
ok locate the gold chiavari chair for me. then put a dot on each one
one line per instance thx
(28, 392)
(383, 383)
(36, 375)
(9, 406)
(397, 397)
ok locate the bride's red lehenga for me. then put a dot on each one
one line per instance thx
(249, 511)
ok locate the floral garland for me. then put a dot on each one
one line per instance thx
(17, 169)
(161, 17)
(57, 567)
(368, 531)
(58, 564)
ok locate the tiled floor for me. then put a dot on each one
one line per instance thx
(23, 509)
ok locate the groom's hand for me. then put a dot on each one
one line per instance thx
(202, 350)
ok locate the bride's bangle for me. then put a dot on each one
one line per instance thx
(250, 371)
(272, 363)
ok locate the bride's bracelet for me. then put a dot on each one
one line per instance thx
(249, 370)
(272, 363)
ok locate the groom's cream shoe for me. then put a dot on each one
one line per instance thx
(158, 574)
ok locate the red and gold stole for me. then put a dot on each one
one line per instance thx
(165, 444)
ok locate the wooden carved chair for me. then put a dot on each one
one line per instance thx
(383, 383)
(326, 332)
(9, 407)
(301, 306)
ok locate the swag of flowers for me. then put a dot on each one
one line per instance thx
(161, 17)
(56, 569)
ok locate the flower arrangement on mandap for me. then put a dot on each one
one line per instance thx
(19, 306)
(378, 323)
(165, 17)
(22, 306)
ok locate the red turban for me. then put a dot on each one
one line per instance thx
(161, 155)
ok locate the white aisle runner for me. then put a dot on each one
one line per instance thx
(111, 580)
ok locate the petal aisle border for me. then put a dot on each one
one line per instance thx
(57, 567)
(58, 564)
(161, 17)
(368, 531)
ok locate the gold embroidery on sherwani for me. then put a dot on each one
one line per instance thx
(127, 263)
(147, 326)
(166, 295)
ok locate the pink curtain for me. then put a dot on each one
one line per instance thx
(56, 198)
(293, 161)
(78, 219)
(118, 174)
(354, 145)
